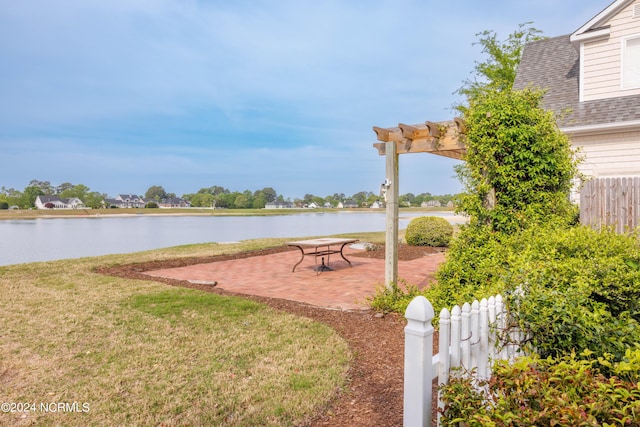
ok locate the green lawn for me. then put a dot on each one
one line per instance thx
(131, 352)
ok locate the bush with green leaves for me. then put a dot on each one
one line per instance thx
(469, 272)
(519, 166)
(569, 289)
(543, 392)
(428, 231)
(576, 289)
(473, 268)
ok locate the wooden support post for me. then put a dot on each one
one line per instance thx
(391, 236)
(438, 138)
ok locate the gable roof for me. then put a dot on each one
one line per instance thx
(595, 29)
(173, 200)
(44, 199)
(47, 199)
(129, 196)
(554, 65)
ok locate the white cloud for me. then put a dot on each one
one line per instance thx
(223, 93)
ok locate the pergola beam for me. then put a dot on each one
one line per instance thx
(423, 146)
(444, 139)
(388, 134)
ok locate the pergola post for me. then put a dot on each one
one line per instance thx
(443, 138)
(391, 236)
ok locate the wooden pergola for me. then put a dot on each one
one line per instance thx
(440, 138)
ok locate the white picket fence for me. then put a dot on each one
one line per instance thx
(467, 339)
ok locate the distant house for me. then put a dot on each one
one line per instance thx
(126, 201)
(129, 201)
(56, 202)
(348, 204)
(278, 205)
(174, 202)
(431, 204)
(313, 205)
(377, 205)
(112, 203)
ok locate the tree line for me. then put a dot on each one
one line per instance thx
(207, 197)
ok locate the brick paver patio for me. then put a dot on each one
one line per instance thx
(344, 288)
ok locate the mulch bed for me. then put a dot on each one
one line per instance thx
(373, 394)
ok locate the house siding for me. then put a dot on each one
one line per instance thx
(601, 68)
(130, 201)
(609, 155)
(69, 203)
(583, 86)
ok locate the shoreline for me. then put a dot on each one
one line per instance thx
(127, 232)
(133, 212)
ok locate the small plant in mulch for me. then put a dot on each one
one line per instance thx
(373, 247)
(393, 299)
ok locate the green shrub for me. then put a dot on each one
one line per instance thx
(519, 166)
(151, 205)
(473, 269)
(394, 299)
(428, 231)
(543, 392)
(4, 205)
(569, 289)
(469, 272)
(578, 289)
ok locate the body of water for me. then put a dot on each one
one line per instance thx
(47, 239)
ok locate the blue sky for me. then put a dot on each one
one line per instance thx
(120, 95)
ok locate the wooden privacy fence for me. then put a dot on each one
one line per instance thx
(611, 202)
(467, 339)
